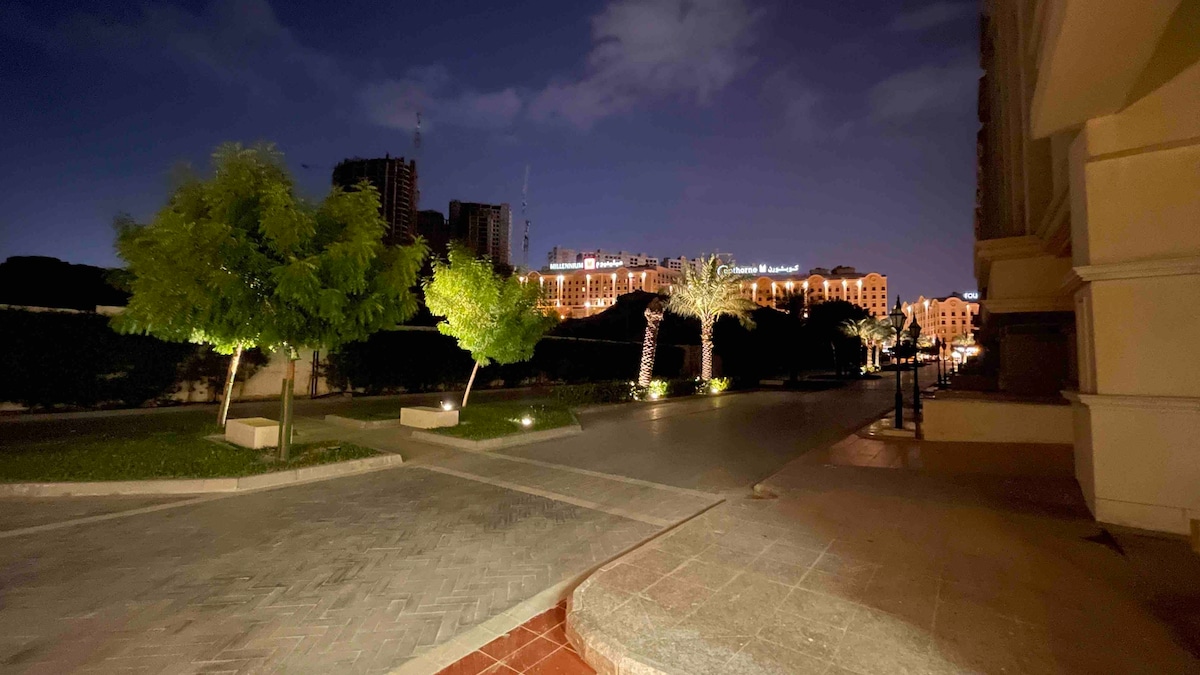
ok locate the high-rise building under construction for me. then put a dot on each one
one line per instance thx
(396, 181)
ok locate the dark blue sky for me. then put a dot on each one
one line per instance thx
(814, 133)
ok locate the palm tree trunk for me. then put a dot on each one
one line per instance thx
(649, 344)
(471, 381)
(227, 392)
(706, 350)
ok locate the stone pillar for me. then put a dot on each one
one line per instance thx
(1135, 222)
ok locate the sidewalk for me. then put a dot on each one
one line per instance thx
(975, 562)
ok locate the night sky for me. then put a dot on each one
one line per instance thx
(785, 132)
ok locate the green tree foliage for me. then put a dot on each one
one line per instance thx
(707, 293)
(824, 333)
(239, 260)
(492, 317)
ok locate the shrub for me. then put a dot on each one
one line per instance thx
(714, 386)
(594, 392)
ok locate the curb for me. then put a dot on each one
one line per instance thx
(501, 442)
(351, 423)
(200, 485)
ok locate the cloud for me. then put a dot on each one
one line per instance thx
(912, 93)
(238, 42)
(641, 51)
(930, 16)
(431, 92)
(796, 102)
(653, 49)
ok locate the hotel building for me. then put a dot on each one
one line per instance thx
(1087, 248)
(944, 318)
(774, 289)
(596, 285)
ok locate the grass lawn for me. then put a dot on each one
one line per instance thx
(168, 445)
(479, 421)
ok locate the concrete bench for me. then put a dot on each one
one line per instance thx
(428, 417)
(252, 432)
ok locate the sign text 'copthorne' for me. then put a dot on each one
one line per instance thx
(758, 269)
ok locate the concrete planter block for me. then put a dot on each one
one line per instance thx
(428, 417)
(252, 432)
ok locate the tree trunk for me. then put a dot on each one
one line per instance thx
(654, 317)
(227, 392)
(706, 350)
(285, 407)
(471, 381)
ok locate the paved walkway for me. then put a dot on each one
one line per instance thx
(374, 572)
(350, 575)
(868, 570)
(715, 443)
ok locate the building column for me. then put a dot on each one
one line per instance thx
(1136, 238)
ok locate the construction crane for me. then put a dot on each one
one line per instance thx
(417, 136)
(525, 217)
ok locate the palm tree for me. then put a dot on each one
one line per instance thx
(863, 329)
(881, 331)
(707, 293)
(654, 317)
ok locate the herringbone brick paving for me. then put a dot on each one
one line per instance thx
(354, 575)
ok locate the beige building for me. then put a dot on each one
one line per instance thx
(583, 292)
(1087, 246)
(945, 318)
(868, 290)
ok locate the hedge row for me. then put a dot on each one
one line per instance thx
(53, 359)
(422, 360)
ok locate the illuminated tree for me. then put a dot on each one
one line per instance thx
(707, 293)
(654, 317)
(239, 260)
(863, 329)
(881, 332)
(493, 317)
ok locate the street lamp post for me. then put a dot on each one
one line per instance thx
(914, 329)
(937, 373)
(896, 318)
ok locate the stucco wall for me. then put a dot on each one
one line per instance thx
(989, 421)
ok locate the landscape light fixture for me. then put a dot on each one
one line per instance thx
(526, 421)
(896, 318)
(447, 406)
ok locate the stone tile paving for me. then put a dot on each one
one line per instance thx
(856, 570)
(351, 575)
(21, 512)
(539, 647)
(714, 443)
(655, 504)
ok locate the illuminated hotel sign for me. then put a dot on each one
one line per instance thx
(759, 269)
(973, 295)
(587, 264)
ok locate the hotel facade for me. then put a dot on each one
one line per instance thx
(1087, 249)
(945, 318)
(584, 288)
(576, 293)
(775, 289)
